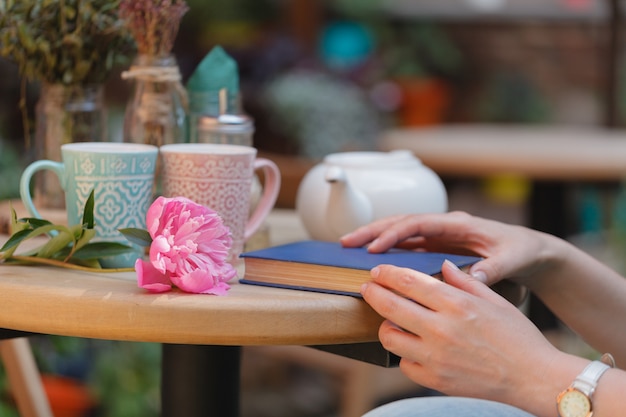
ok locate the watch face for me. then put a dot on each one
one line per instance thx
(573, 403)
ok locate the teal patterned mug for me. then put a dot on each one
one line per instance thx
(121, 176)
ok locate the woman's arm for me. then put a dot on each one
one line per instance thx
(589, 297)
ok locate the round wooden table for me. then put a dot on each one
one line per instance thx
(202, 334)
(111, 306)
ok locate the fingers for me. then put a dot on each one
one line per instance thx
(453, 276)
(405, 344)
(508, 251)
(409, 298)
(405, 313)
(371, 232)
(407, 287)
(414, 229)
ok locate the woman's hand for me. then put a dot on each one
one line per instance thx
(513, 252)
(461, 338)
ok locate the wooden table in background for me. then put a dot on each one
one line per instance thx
(549, 153)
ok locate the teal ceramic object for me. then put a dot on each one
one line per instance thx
(216, 72)
(121, 176)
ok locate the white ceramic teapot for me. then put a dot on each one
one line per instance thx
(350, 189)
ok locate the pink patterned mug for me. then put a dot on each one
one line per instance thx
(220, 177)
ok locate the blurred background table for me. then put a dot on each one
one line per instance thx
(566, 154)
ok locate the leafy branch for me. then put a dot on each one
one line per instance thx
(67, 247)
(68, 42)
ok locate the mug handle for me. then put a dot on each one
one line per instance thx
(27, 175)
(271, 187)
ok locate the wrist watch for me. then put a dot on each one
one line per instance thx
(575, 401)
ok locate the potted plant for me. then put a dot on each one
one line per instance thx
(69, 47)
(420, 59)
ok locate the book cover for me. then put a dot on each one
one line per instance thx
(329, 267)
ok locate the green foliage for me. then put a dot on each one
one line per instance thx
(68, 42)
(512, 98)
(10, 163)
(123, 376)
(359, 9)
(214, 11)
(140, 237)
(417, 49)
(69, 247)
(126, 379)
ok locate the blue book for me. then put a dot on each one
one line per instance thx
(328, 267)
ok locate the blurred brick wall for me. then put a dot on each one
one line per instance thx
(565, 61)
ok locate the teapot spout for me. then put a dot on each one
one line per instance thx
(347, 208)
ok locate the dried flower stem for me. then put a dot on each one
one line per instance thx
(153, 23)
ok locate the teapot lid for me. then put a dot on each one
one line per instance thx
(399, 159)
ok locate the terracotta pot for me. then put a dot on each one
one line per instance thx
(68, 397)
(424, 101)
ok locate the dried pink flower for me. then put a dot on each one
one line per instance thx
(189, 249)
(153, 23)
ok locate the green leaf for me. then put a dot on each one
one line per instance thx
(45, 229)
(35, 222)
(9, 247)
(55, 244)
(32, 252)
(22, 235)
(139, 237)
(98, 250)
(88, 212)
(85, 238)
(15, 226)
(77, 231)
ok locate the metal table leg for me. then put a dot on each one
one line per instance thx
(200, 381)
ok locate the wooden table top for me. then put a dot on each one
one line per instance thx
(111, 306)
(542, 153)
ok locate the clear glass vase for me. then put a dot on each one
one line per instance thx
(64, 114)
(157, 108)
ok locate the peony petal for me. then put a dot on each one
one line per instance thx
(161, 244)
(221, 288)
(227, 272)
(153, 216)
(197, 281)
(159, 251)
(150, 278)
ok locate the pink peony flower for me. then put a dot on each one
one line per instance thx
(189, 249)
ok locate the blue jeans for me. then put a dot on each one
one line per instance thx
(446, 407)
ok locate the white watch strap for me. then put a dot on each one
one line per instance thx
(587, 381)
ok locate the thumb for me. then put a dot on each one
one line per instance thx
(452, 275)
(485, 271)
(510, 291)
